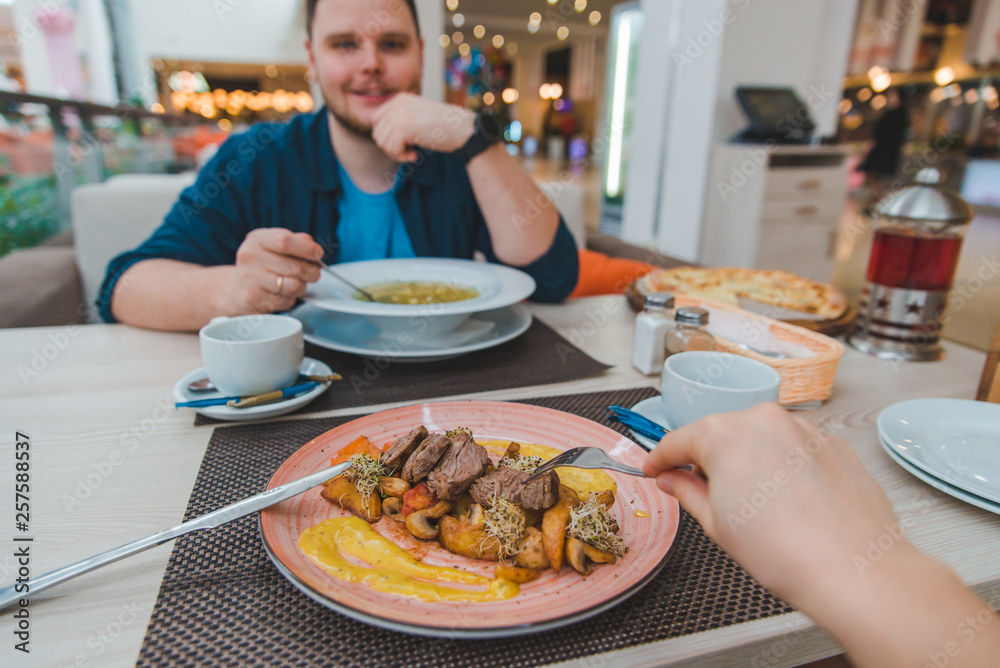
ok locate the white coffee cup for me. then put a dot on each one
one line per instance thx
(252, 354)
(700, 383)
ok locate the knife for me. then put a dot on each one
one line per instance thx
(15, 592)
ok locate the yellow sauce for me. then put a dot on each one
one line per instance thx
(390, 568)
(641, 513)
(584, 481)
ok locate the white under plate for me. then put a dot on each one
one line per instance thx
(651, 409)
(954, 440)
(354, 334)
(939, 484)
(309, 367)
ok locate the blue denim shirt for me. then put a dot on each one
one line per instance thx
(285, 175)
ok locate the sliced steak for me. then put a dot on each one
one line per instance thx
(425, 457)
(503, 483)
(464, 461)
(396, 455)
(541, 493)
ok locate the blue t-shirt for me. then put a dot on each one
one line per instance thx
(371, 226)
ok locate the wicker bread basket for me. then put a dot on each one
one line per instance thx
(802, 379)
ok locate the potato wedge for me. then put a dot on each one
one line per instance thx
(531, 552)
(467, 540)
(515, 574)
(554, 523)
(343, 493)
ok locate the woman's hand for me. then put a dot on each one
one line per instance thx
(790, 502)
(793, 504)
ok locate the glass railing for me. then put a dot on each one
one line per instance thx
(48, 146)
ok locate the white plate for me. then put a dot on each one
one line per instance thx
(498, 286)
(353, 334)
(309, 367)
(954, 440)
(937, 483)
(651, 409)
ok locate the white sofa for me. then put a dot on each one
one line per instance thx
(117, 215)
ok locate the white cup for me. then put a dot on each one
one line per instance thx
(700, 383)
(252, 354)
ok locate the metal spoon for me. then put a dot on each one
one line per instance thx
(202, 385)
(325, 267)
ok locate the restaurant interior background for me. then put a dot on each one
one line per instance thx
(627, 108)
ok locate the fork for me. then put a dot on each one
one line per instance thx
(585, 458)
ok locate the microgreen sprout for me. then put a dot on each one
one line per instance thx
(504, 522)
(365, 472)
(526, 463)
(592, 524)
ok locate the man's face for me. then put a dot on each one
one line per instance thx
(362, 52)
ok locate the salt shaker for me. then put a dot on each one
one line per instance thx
(651, 327)
(690, 332)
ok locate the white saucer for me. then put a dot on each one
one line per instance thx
(309, 367)
(937, 483)
(651, 409)
(955, 440)
(354, 334)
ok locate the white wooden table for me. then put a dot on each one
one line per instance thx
(112, 461)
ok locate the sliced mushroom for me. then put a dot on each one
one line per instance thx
(515, 574)
(605, 497)
(476, 516)
(421, 524)
(598, 556)
(393, 487)
(391, 507)
(577, 556)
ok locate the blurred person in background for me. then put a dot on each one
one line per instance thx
(888, 137)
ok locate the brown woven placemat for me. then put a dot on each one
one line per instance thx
(223, 603)
(538, 357)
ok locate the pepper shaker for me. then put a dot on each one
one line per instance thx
(690, 332)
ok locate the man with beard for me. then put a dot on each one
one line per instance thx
(380, 172)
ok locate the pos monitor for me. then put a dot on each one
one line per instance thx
(775, 114)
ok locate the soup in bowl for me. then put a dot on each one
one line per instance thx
(417, 292)
(421, 298)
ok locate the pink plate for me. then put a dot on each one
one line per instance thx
(551, 601)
